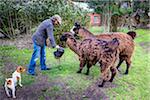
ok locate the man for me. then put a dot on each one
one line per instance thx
(44, 30)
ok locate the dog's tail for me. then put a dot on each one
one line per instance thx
(132, 34)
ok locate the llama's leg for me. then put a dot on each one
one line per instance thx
(105, 68)
(120, 62)
(82, 64)
(113, 71)
(88, 68)
(102, 84)
(105, 77)
(128, 63)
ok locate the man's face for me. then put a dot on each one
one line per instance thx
(56, 23)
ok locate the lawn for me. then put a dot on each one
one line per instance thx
(62, 81)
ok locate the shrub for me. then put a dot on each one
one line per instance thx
(18, 17)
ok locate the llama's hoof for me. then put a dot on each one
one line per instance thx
(101, 85)
(126, 73)
(110, 80)
(79, 71)
(86, 73)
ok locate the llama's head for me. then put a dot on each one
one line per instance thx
(75, 28)
(132, 34)
(80, 32)
(65, 36)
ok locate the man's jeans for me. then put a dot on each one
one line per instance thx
(38, 52)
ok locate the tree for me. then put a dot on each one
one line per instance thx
(141, 9)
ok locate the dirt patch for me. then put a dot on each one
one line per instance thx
(9, 66)
(44, 89)
(21, 42)
(56, 90)
(32, 92)
(145, 46)
(97, 93)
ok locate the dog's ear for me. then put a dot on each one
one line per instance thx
(23, 69)
(20, 69)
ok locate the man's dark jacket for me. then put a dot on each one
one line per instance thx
(44, 30)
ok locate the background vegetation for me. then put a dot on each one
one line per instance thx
(19, 17)
(118, 13)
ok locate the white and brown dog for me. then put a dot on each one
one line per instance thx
(11, 83)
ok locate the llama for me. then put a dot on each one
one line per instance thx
(91, 51)
(126, 46)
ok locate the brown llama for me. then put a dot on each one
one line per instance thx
(91, 51)
(126, 46)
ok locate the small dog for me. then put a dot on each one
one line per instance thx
(11, 83)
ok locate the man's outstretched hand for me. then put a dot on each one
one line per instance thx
(57, 47)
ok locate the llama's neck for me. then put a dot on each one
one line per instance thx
(84, 33)
(73, 45)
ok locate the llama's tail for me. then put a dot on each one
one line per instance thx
(132, 34)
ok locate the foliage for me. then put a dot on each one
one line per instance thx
(20, 16)
(119, 8)
(110, 11)
(143, 7)
(111, 6)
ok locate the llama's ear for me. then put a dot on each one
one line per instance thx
(77, 24)
(115, 40)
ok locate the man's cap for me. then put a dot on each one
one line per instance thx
(58, 18)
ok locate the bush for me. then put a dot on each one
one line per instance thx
(17, 17)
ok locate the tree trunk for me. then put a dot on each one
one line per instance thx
(113, 23)
(105, 23)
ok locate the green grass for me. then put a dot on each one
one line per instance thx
(135, 86)
(143, 36)
(96, 29)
